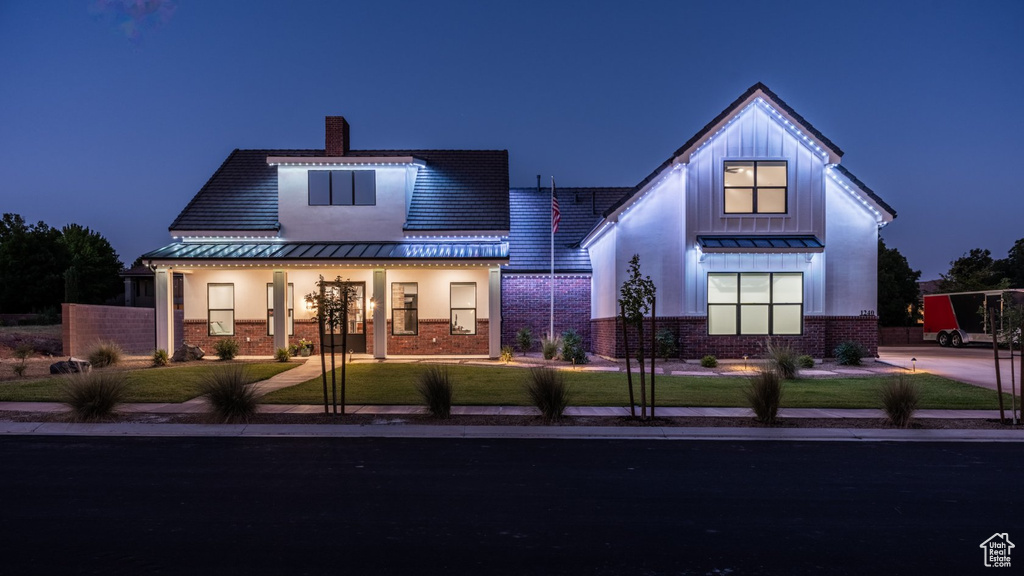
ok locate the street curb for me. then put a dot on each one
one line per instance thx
(503, 432)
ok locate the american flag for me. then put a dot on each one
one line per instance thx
(556, 215)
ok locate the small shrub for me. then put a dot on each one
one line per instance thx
(524, 338)
(709, 361)
(765, 395)
(435, 387)
(805, 361)
(160, 358)
(93, 395)
(572, 348)
(23, 351)
(19, 369)
(105, 354)
(900, 397)
(549, 348)
(230, 394)
(783, 358)
(226, 349)
(849, 353)
(666, 342)
(282, 355)
(506, 354)
(548, 392)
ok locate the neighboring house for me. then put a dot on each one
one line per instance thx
(140, 292)
(751, 229)
(447, 259)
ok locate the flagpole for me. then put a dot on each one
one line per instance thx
(551, 319)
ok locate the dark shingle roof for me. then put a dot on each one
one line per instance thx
(866, 190)
(530, 233)
(455, 190)
(710, 126)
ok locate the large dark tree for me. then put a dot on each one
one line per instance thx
(1012, 267)
(39, 263)
(898, 294)
(95, 263)
(975, 270)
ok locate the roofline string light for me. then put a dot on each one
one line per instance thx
(878, 215)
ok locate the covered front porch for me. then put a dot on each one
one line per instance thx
(424, 298)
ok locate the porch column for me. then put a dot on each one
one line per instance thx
(164, 309)
(380, 314)
(280, 309)
(494, 311)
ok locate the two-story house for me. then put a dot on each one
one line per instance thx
(751, 229)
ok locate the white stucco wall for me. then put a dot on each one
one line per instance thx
(604, 289)
(251, 288)
(851, 255)
(382, 222)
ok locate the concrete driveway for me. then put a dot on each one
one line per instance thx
(974, 365)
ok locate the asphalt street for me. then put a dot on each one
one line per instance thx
(79, 505)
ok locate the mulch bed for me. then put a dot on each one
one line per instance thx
(402, 420)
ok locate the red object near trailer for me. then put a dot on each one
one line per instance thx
(960, 318)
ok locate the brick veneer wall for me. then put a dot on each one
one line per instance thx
(820, 337)
(902, 336)
(260, 344)
(526, 302)
(133, 329)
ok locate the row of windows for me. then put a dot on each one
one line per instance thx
(404, 309)
(342, 187)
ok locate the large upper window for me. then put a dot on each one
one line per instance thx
(755, 187)
(221, 309)
(289, 303)
(404, 308)
(342, 188)
(755, 303)
(463, 308)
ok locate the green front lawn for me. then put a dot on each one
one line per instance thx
(387, 383)
(170, 384)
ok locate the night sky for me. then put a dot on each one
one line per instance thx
(113, 116)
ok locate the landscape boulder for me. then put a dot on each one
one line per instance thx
(187, 353)
(70, 366)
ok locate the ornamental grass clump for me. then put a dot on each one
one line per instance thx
(549, 348)
(282, 355)
(783, 358)
(226, 349)
(900, 396)
(548, 391)
(805, 361)
(436, 388)
(105, 354)
(93, 395)
(507, 353)
(230, 394)
(764, 395)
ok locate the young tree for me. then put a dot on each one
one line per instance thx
(898, 293)
(331, 305)
(636, 298)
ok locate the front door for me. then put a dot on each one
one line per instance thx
(355, 323)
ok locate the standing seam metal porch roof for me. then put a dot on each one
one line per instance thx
(305, 251)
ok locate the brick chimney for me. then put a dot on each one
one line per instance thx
(336, 141)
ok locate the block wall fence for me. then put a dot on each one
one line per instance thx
(133, 329)
(526, 303)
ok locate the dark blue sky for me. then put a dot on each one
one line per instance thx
(114, 122)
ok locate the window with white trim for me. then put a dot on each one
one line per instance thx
(755, 303)
(404, 308)
(220, 312)
(755, 186)
(289, 303)
(463, 308)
